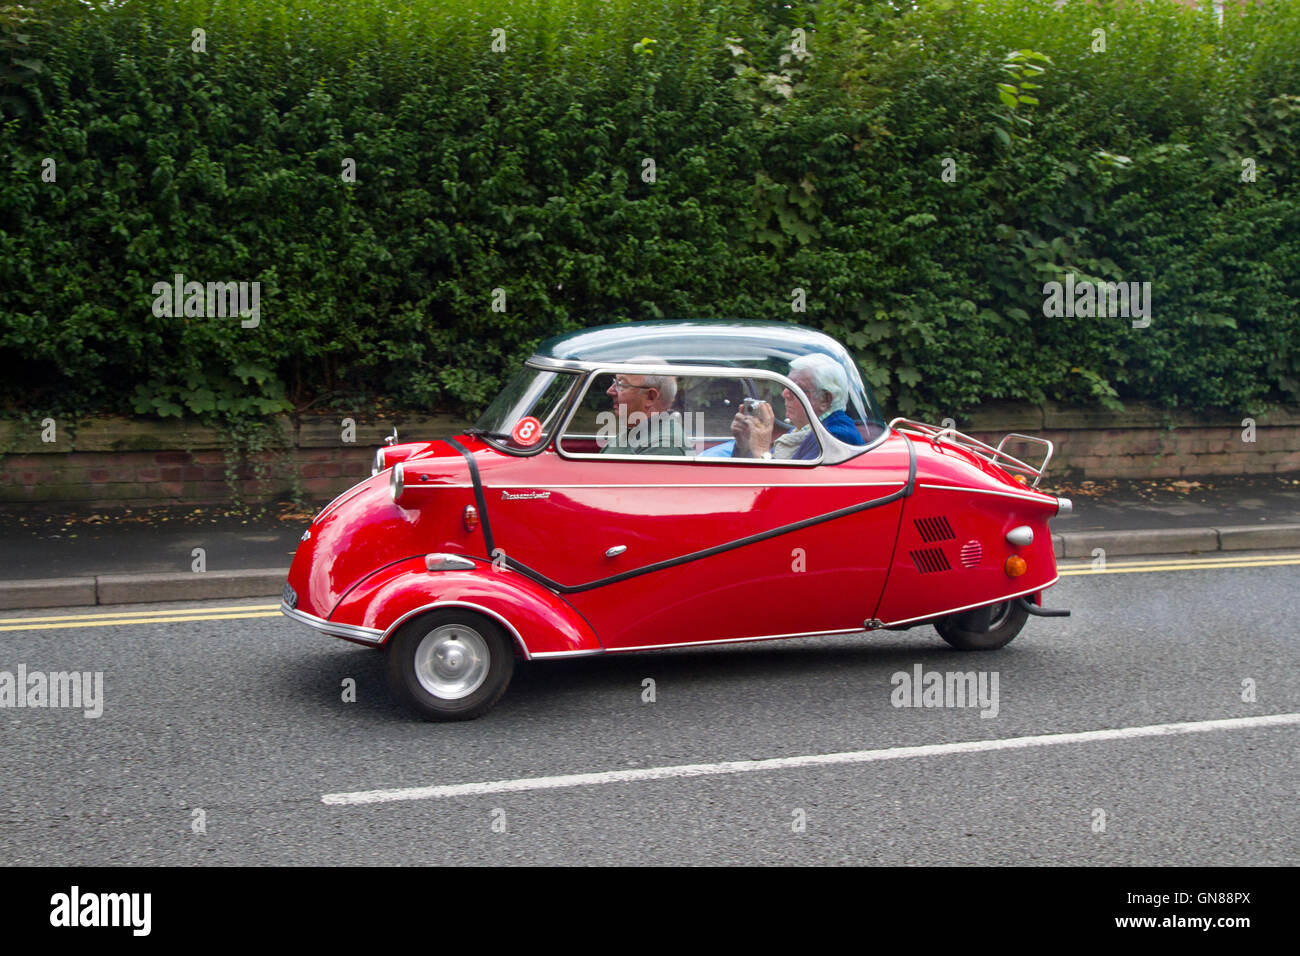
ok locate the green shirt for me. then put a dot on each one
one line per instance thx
(641, 439)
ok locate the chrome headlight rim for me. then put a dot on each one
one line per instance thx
(396, 481)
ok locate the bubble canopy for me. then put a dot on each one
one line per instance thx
(735, 343)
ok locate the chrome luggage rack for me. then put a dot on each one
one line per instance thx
(995, 456)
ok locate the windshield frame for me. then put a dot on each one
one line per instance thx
(828, 442)
(833, 451)
(558, 415)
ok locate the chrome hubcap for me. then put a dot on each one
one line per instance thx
(451, 661)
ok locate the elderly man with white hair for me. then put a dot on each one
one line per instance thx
(823, 380)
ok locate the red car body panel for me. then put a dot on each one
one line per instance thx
(905, 557)
(952, 546)
(664, 512)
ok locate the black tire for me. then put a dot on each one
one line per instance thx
(450, 664)
(971, 632)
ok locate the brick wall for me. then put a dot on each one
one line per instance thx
(1147, 442)
(127, 463)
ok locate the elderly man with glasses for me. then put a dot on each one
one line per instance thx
(646, 424)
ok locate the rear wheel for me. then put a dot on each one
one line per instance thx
(450, 665)
(985, 628)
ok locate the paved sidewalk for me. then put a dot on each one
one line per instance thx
(67, 561)
(1180, 503)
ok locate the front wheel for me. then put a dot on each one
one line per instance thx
(450, 665)
(985, 628)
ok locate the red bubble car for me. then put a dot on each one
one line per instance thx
(662, 484)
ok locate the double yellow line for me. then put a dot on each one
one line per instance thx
(140, 617)
(1185, 564)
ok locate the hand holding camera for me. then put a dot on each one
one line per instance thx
(752, 428)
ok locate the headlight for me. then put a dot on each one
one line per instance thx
(379, 465)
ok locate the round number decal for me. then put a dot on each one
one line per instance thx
(527, 431)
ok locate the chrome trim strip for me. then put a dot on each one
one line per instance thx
(429, 485)
(478, 607)
(967, 607)
(705, 484)
(558, 365)
(732, 640)
(556, 655)
(1045, 500)
(369, 635)
(697, 459)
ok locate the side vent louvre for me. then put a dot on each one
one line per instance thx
(934, 529)
(930, 560)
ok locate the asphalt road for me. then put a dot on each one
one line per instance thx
(244, 720)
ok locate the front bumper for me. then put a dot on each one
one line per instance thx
(369, 636)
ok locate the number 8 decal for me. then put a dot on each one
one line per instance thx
(527, 431)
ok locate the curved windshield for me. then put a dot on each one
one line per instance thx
(522, 417)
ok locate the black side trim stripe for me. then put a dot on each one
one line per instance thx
(478, 493)
(559, 588)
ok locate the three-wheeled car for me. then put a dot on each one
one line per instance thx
(661, 484)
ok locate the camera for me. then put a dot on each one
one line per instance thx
(751, 405)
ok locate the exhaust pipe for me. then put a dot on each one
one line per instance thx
(1037, 611)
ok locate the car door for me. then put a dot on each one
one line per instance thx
(661, 550)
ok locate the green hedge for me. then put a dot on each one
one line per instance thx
(522, 170)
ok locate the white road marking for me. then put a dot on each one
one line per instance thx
(807, 760)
